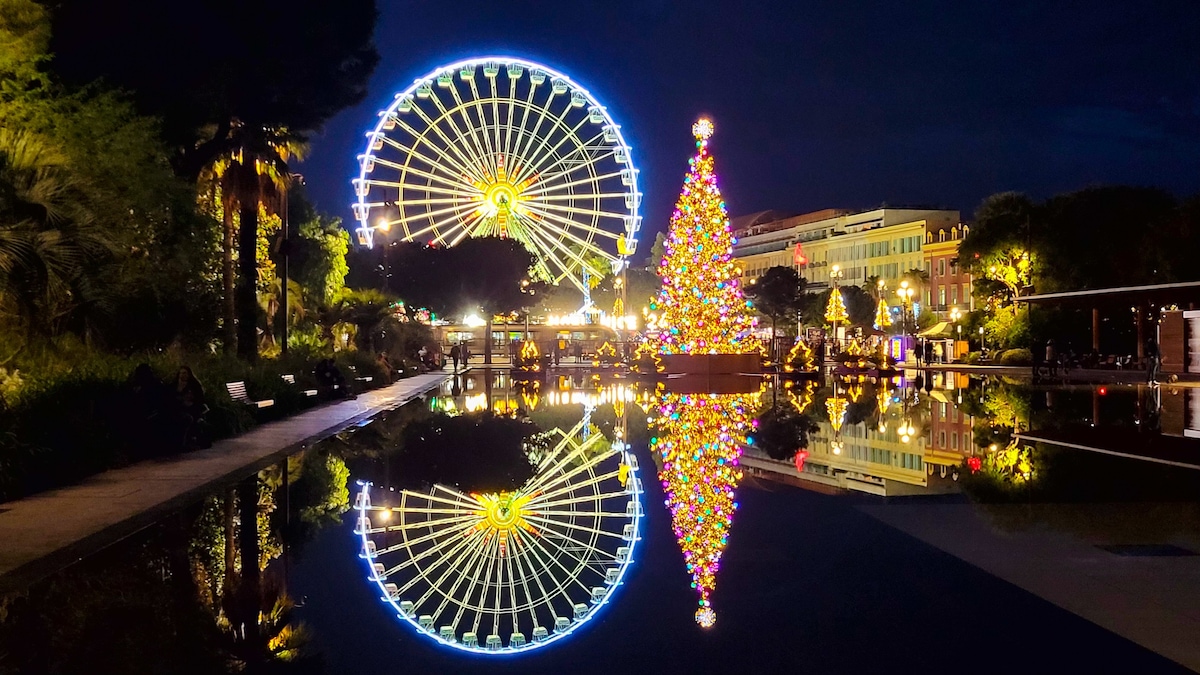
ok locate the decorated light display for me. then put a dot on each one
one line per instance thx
(700, 439)
(800, 358)
(836, 407)
(700, 309)
(883, 317)
(835, 309)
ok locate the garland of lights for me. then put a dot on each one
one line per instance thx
(800, 358)
(700, 309)
(700, 439)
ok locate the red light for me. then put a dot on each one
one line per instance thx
(801, 455)
(1103, 390)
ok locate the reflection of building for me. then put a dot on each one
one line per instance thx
(873, 457)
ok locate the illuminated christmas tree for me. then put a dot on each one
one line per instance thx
(700, 439)
(700, 309)
(835, 309)
(883, 318)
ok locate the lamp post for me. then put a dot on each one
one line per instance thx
(906, 295)
(954, 317)
(982, 347)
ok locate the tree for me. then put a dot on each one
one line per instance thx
(239, 111)
(782, 431)
(998, 247)
(835, 308)
(777, 295)
(700, 307)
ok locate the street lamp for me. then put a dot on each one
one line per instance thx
(982, 347)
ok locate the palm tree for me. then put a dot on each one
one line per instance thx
(251, 167)
(47, 242)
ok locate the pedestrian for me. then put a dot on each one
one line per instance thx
(455, 353)
(557, 352)
(918, 352)
(578, 350)
(1051, 357)
(928, 353)
(1152, 360)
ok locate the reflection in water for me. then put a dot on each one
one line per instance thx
(700, 438)
(513, 571)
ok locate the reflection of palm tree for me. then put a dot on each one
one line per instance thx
(275, 638)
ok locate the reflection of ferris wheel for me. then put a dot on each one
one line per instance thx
(503, 147)
(511, 571)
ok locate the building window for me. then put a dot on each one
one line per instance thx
(941, 295)
(941, 439)
(954, 441)
(941, 267)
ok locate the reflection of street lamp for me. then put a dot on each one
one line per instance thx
(982, 347)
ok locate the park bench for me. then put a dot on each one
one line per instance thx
(291, 379)
(237, 392)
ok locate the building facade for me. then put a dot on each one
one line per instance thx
(878, 244)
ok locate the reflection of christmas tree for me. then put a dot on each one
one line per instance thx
(700, 438)
(700, 309)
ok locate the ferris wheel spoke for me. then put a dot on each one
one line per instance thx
(578, 181)
(439, 162)
(575, 500)
(487, 552)
(549, 524)
(514, 151)
(451, 536)
(512, 109)
(547, 245)
(424, 215)
(463, 189)
(474, 559)
(458, 160)
(586, 212)
(534, 560)
(543, 152)
(523, 575)
(457, 224)
(560, 225)
(421, 573)
(551, 484)
(478, 102)
(545, 255)
(543, 177)
(542, 111)
(465, 141)
(586, 146)
(543, 198)
(460, 107)
(547, 559)
(484, 586)
(576, 256)
(596, 478)
(496, 119)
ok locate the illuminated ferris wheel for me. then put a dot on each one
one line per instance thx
(503, 147)
(511, 571)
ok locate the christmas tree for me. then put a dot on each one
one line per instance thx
(700, 438)
(700, 309)
(835, 309)
(883, 318)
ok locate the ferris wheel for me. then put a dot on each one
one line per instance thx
(504, 147)
(507, 572)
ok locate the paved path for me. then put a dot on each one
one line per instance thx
(1053, 551)
(43, 533)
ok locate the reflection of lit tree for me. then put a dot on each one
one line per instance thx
(700, 439)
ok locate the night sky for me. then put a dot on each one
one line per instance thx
(839, 103)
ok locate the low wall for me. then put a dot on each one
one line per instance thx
(712, 364)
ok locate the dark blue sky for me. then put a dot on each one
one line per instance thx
(837, 103)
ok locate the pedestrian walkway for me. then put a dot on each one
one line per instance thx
(43, 533)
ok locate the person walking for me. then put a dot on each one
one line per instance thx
(928, 353)
(1051, 357)
(1152, 360)
(455, 354)
(578, 351)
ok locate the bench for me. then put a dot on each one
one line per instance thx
(237, 392)
(291, 379)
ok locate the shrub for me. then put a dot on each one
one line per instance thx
(1016, 357)
(972, 357)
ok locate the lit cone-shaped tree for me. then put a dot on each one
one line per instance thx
(883, 318)
(700, 438)
(700, 309)
(835, 309)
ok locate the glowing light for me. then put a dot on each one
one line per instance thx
(474, 321)
(700, 439)
(703, 129)
(700, 308)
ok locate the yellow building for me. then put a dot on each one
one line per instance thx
(882, 244)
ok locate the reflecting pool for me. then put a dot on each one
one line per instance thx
(592, 522)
